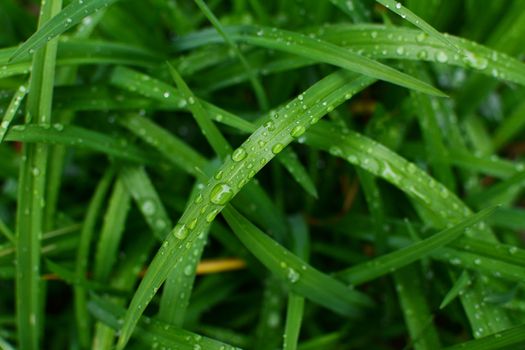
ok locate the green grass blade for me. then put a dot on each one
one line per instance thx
(459, 286)
(256, 84)
(399, 258)
(52, 27)
(11, 110)
(299, 276)
(415, 309)
(410, 16)
(32, 180)
(111, 232)
(508, 339)
(77, 137)
(82, 260)
(212, 134)
(322, 51)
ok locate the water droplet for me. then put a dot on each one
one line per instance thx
(475, 61)
(293, 276)
(221, 194)
(211, 216)
(239, 154)
(192, 224)
(398, 5)
(198, 199)
(148, 207)
(373, 35)
(400, 50)
(278, 147)
(58, 126)
(166, 94)
(441, 57)
(188, 270)
(35, 171)
(180, 231)
(269, 125)
(219, 174)
(422, 54)
(513, 250)
(297, 131)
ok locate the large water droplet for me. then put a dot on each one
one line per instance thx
(293, 276)
(441, 57)
(180, 231)
(239, 154)
(278, 147)
(297, 131)
(148, 207)
(221, 194)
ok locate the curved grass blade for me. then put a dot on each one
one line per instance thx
(404, 43)
(82, 257)
(395, 42)
(77, 137)
(511, 338)
(319, 51)
(232, 177)
(299, 276)
(154, 332)
(459, 286)
(111, 232)
(384, 264)
(210, 131)
(11, 110)
(69, 16)
(139, 185)
(409, 287)
(410, 16)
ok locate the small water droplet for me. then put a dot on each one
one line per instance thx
(166, 94)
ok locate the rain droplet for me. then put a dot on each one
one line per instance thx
(278, 147)
(293, 276)
(221, 194)
(297, 131)
(148, 207)
(180, 231)
(239, 154)
(441, 57)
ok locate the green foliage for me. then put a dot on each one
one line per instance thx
(167, 181)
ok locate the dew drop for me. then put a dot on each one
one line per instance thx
(441, 57)
(148, 207)
(221, 194)
(239, 154)
(180, 231)
(293, 276)
(278, 147)
(297, 131)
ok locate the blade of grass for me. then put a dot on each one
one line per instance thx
(254, 81)
(55, 25)
(88, 228)
(12, 110)
(384, 264)
(321, 51)
(32, 180)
